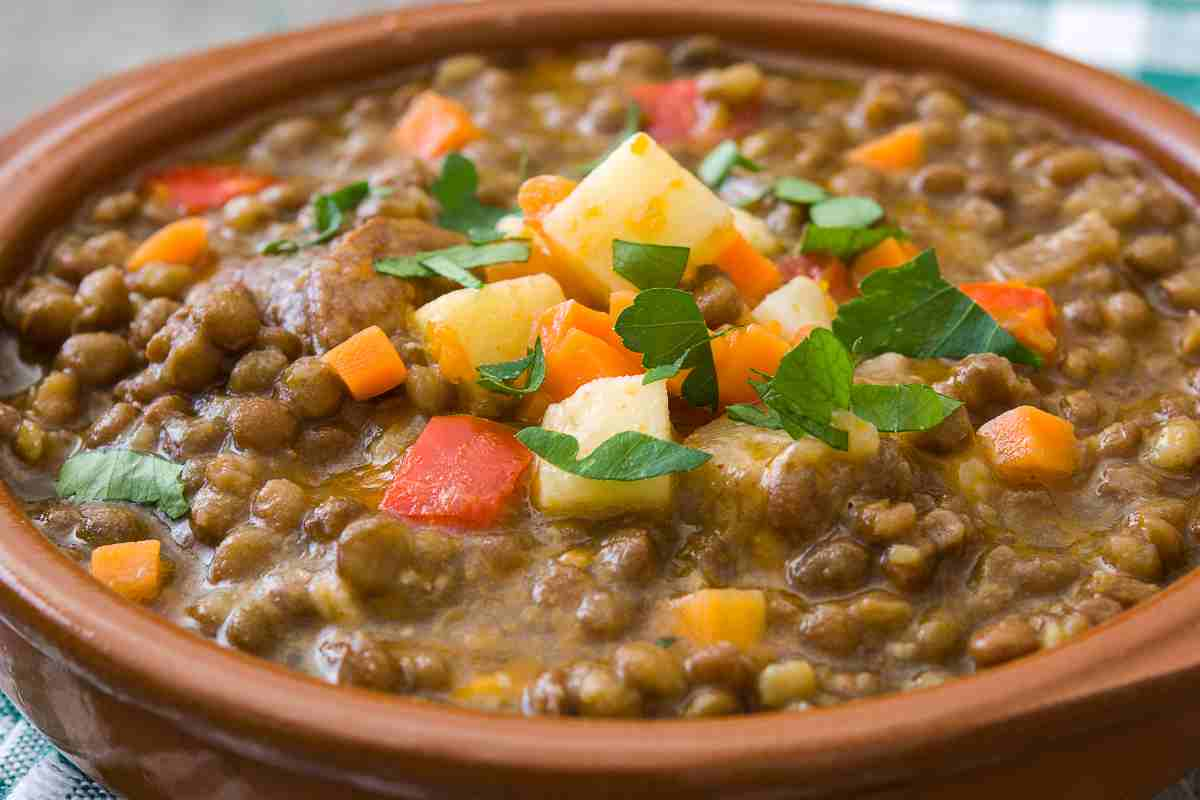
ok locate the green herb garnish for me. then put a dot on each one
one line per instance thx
(845, 243)
(633, 124)
(720, 161)
(846, 212)
(668, 329)
(115, 474)
(455, 190)
(502, 377)
(627, 456)
(816, 379)
(329, 212)
(649, 266)
(453, 262)
(799, 191)
(913, 311)
(900, 407)
(665, 642)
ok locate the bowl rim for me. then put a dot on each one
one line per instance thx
(246, 703)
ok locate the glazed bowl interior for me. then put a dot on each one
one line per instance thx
(54, 160)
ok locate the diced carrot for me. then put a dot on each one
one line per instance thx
(181, 242)
(738, 353)
(1027, 312)
(434, 125)
(618, 301)
(898, 151)
(891, 252)
(539, 194)
(131, 569)
(367, 363)
(672, 109)
(558, 320)
(580, 358)
(709, 616)
(447, 350)
(1028, 445)
(827, 270)
(752, 273)
(196, 188)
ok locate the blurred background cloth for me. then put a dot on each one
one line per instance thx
(51, 48)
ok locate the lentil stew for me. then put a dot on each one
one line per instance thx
(265, 329)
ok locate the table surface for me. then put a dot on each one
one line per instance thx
(59, 46)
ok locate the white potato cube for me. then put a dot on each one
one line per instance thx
(638, 194)
(799, 302)
(755, 231)
(597, 411)
(486, 325)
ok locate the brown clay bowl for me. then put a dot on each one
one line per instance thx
(155, 712)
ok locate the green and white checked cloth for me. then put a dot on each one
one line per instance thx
(1155, 41)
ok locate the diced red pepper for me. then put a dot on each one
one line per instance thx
(1027, 312)
(202, 187)
(826, 269)
(671, 108)
(461, 471)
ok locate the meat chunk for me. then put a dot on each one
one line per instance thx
(327, 300)
(1055, 256)
(987, 385)
(729, 489)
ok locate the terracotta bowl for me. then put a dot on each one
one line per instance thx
(155, 712)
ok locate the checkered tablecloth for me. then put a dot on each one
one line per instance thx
(1155, 41)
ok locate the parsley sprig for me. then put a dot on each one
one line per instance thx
(626, 456)
(118, 474)
(455, 262)
(329, 212)
(720, 161)
(504, 376)
(456, 192)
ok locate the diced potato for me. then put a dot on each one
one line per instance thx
(638, 194)
(1053, 257)
(721, 615)
(799, 303)
(755, 231)
(598, 410)
(470, 327)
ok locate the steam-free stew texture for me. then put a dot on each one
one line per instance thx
(651, 379)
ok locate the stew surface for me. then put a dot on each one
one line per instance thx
(271, 386)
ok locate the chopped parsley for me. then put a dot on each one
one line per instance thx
(649, 266)
(117, 474)
(329, 212)
(720, 161)
(626, 456)
(799, 191)
(503, 377)
(455, 262)
(455, 190)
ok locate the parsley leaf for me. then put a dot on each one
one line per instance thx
(649, 266)
(799, 191)
(500, 377)
(455, 191)
(753, 415)
(331, 207)
(845, 243)
(743, 191)
(627, 456)
(815, 377)
(115, 474)
(720, 161)
(901, 407)
(453, 262)
(913, 311)
(329, 212)
(633, 124)
(846, 212)
(667, 328)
